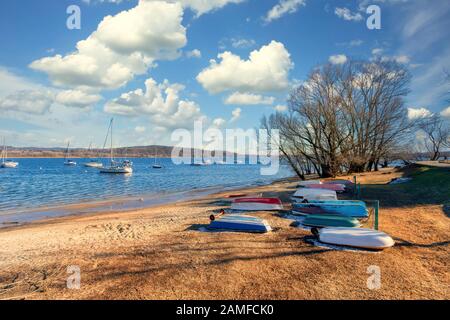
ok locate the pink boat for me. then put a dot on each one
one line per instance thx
(257, 204)
(344, 182)
(327, 186)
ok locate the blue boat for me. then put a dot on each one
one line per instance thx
(354, 210)
(240, 224)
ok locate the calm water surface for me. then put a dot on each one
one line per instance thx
(39, 183)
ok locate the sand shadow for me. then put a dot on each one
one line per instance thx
(403, 243)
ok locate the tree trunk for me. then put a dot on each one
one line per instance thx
(435, 156)
(356, 168)
(376, 163)
(327, 171)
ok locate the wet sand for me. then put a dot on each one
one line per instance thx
(159, 253)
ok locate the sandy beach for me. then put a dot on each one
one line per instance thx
(160, 253)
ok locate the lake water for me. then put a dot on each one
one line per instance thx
(39, 184)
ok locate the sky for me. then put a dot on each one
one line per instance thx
(157, 66)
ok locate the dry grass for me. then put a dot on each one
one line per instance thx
(158, 253)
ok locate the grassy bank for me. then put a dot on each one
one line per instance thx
(429, 185)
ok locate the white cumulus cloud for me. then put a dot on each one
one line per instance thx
(28, 101)
(140, 129)
(194, 54)
(282, 8)
(238, 98)
(160, 102)
(201, 7)
(123, 46)
(266, 69)
(417, 113)
(235, 114)
(446, 112)
(77, 98)
(347, 14)
(338, 59)
(281, 108)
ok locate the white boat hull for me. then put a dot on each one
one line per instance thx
(9, 165)
(93, 165)
(117, 170)
(313, 194)
(356, 237)
(308, 182)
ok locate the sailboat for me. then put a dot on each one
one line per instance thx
(5, 162)
(116, 167)
(67, 161)
(93, 163)
(155, 165)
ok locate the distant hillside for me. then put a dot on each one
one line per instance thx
(131, 152)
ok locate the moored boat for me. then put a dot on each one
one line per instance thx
(155, 164)
(126, 167)
(68, 162)
(92, 163)
(116, 168)
(7, 164)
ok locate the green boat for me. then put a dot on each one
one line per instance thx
(323, 221)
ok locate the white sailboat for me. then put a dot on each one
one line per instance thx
(93, 163)
(156, 165)
(67, 161)
(126, 167)
(5, 162)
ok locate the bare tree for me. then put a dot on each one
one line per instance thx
(437, 135)
(345, 117)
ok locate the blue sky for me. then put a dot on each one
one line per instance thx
(149, 64)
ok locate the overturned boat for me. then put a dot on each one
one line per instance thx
(307, 194)
(238, 223)
(355, 237)
(333, 187)
(340, 207)
(257, 204)
(341, 181)
(324, 221)
(307, 183)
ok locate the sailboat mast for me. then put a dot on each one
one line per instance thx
(67, 151)
(4, 150)
(111, 126)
